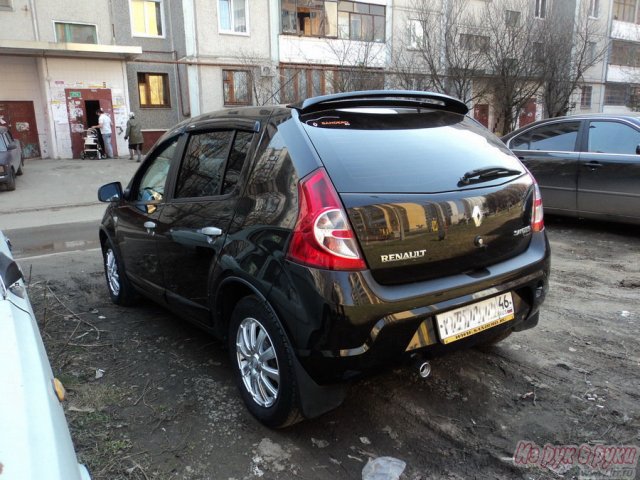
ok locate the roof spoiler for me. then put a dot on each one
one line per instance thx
(382, 98)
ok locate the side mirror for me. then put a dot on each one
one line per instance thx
(12, 146)
(9, 270)
(111, 192)
(638, 150)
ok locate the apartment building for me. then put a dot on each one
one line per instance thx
(622, 91)
(59, 64)
(168, 60)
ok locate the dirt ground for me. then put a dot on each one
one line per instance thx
(150, 397)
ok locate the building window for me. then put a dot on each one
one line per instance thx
(615, 94)
(625, 54)
(233, 16)
(237, 87)
(585, 98)
(330, 18)
(591, 52)
(153, 89)
(474, 43)
(625, 10)
(299, 83)
(75, 33)
(594, 8)
(6, 5)
(146, 18)
(416, 34)
(541, 9)
(512, 18)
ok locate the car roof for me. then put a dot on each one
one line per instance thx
(633, 117)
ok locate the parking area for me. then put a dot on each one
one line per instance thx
(153, 398)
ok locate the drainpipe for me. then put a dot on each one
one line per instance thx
(605, 70)
(34, 20)
(191, 44)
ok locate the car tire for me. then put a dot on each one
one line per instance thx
(267, 383)
(120, 289)
(20, 167)
(11, 184)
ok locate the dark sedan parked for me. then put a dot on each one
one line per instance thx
(11, 162)
(331, 238)
(586, 165)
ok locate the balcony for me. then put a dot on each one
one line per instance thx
(331, 51)
(625, 31)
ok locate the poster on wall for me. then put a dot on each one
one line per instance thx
(59, 113)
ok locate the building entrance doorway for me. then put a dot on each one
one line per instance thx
(82, 104)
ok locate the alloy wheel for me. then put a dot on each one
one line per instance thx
(257, 362)
(113, 277)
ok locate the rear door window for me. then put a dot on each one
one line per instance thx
(212, 163)
(3, 143)
(202, 168)
(613, 137)
(555, 137)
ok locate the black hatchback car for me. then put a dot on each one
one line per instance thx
(586, 165)
(331, 238)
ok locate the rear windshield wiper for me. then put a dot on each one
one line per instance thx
(486, 173)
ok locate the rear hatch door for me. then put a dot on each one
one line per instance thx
(401, 176)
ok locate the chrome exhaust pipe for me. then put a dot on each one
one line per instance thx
(423, 366)
(424, 369)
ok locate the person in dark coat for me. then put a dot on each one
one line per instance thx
(134, 135)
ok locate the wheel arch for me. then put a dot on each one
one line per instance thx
(229, 292)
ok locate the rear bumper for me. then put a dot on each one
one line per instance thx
(344, 323)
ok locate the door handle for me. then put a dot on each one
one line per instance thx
(150, 226)
(593, 165)
(211, 231)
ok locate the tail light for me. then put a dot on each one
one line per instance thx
(322, 236)
(537, 216)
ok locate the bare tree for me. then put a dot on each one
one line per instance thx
(357, 64)
(573, 42)
(444, 49)
(514, 58)
(262, 77)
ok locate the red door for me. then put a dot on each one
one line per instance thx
(20, 118)
(82, 104)
(528, 113)
(481, 113)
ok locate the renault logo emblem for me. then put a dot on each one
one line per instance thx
(477, 216)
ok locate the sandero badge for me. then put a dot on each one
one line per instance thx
(283, 231)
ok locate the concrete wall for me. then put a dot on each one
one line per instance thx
(159, 56)
(83, 73)
(17, 23)
(72, 11)
(20, 80)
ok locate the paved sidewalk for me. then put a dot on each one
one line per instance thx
(54, 191)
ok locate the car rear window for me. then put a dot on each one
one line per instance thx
(401, 150)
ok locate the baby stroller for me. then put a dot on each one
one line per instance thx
(92, 145)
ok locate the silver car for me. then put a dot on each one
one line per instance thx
(11, 161)
(34, 441)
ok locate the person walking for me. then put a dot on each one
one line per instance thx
(134, 134)
(104, 124)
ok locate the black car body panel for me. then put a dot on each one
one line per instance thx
(586, 165)
(214, 212)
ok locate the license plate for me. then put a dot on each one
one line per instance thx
(475, 318)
